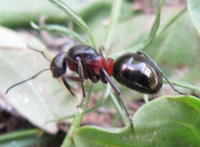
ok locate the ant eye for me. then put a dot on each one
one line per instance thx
(58, 65)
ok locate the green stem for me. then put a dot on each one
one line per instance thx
(119, 109)
(76, 19)
(76, 122)
(116, 9)
(185, 85)
(152, 34)
(146, 98)
(172, 20)
(155, 27)
(20, 134)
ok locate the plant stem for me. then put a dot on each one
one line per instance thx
(119, 109)
(172, 20)
(116, 8)
(146, 98)
(76, 122)
(152, 34)
(115, 13)
(20, 134)
(77, 19)
(185, 85)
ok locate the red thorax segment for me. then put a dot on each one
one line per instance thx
(100, 62)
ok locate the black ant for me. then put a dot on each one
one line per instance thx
(134, 70)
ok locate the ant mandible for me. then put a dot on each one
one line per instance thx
(134, 70)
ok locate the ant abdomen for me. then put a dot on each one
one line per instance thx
(138, 73)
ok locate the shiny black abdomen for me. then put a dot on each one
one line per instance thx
(138, 73)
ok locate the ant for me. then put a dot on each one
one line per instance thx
(136, 71)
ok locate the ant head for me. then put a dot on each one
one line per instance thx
(58, 65)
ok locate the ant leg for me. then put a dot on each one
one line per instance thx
(101, 49)
(72, 78)
(148, 57)
(43, 54)
(67, 85)
(118, 93)
(33, 77)
(81, 74)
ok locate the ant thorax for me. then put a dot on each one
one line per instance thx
(100, 62)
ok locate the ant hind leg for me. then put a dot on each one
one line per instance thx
(118, 93)
(162, 73)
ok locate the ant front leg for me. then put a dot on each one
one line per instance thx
(67, 85)
(71, 78)
(118, 93)
(162, 73)
(81, 74)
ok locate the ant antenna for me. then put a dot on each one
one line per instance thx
(41, 52)
(33, 77)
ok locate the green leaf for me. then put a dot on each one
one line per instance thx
(19, 13)
(24, 138)
(165, 121)
(27, 142)
(175, 43)
(39, 100)
(116, 9)
(20, 134)
(194, 10)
